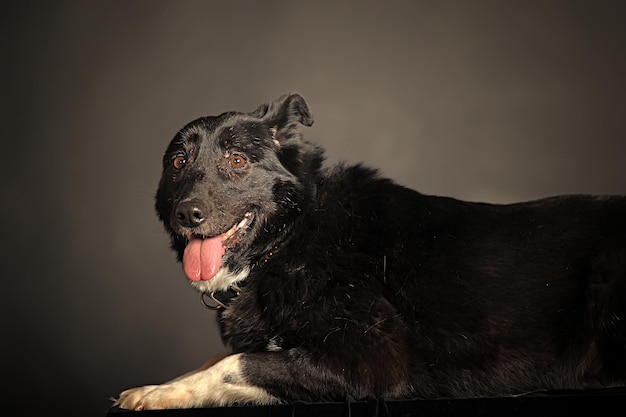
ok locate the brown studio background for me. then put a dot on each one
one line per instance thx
(485, 100)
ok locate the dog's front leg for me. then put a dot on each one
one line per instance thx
(210, 362)
(216, 383)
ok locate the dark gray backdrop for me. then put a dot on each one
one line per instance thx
(483, 100)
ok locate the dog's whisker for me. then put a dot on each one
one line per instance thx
(375, 324)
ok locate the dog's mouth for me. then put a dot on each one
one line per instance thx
(203, 255)
(233, 235)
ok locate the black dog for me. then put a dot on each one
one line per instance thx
(336, 282)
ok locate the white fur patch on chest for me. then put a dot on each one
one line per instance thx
(275, 344)
(221, 281)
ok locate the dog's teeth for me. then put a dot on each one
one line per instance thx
(238, 226)
(228, 234)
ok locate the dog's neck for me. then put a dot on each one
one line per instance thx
(219, 299)
(268, 255)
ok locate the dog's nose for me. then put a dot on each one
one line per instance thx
(190, 213)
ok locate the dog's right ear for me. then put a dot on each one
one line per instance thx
(283, 116)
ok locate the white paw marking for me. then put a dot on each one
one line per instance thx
(220, 385)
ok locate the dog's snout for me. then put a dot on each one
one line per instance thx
(190, 213)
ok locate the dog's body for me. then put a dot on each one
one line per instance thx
(351, 285)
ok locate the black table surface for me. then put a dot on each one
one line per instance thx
(609, 402)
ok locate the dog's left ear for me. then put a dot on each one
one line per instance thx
(283, 116)
(287, 109)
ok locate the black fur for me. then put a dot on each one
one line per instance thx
(360, 287)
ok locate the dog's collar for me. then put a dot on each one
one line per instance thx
(221, 299)
(267, 256)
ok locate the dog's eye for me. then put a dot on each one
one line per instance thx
(237, 162)
(179, 161)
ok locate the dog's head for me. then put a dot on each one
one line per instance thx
(232, 186)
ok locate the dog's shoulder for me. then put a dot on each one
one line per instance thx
(360, 185)
(362, 197)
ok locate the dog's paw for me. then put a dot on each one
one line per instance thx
(153, 397)
(216, 384)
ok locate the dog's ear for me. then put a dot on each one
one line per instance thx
(287, 109)
(284, 114)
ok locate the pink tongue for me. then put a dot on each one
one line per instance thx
(203, 257)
